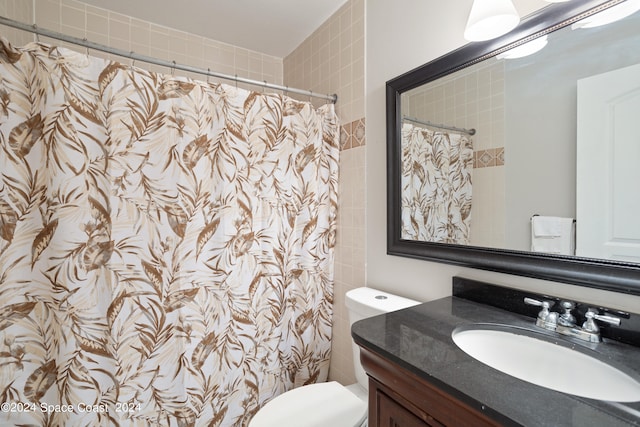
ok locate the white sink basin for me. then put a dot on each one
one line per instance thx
(546, 364)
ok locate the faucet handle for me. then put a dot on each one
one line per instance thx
(546, 305)
(566, 318)
(543, 304)
(592, 314)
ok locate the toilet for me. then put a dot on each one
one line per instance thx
(331, 403)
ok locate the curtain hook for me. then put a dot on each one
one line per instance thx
(173, 68)
(310, 95)
(208, 75)
(265, 85)
(86, 46)
(37, 32)
(286, 91)
(236, 81)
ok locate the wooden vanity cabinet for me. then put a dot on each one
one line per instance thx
(399, 398)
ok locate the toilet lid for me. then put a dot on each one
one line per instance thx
(315, 405)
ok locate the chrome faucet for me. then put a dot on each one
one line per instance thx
(565, 323)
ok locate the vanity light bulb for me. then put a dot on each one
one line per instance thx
(489, 19)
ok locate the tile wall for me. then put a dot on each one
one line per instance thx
(130, 34)
(331, 60)
(472, 98)
(19, 10)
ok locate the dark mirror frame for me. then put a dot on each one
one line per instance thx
(596, 273)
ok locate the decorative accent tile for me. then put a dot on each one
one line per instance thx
(353, 135)
(488, 158)
(500, 157)
(345, 136)
(358, 135)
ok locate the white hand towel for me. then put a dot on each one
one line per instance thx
(553, 235)
(547, 226)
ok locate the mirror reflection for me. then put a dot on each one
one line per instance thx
(531, 150)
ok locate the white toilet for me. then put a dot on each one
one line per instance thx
(330, 403)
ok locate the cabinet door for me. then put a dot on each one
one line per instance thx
(392, 414)
(399, 398)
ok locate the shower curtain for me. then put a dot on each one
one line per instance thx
(166, 245)
(436, 185)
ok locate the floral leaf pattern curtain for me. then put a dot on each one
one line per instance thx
(436, 185)
(166, 245)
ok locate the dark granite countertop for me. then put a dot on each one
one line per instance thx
(419, 340)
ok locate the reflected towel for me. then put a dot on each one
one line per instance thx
(553, 235)
(547, 226)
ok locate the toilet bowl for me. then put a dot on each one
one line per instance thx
(331, 403)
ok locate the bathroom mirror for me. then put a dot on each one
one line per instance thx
(511, 150)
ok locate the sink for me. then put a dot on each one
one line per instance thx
(547, 362)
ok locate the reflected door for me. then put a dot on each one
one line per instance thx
(608, 166)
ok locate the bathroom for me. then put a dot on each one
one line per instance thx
(352, 54)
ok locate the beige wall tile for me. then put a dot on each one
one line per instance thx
(73, 18)
(97, 23)
(350, 259)
(130, 34)
(328, 59)
(20, 10)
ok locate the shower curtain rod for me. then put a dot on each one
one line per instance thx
(434, 125)
(172, 65)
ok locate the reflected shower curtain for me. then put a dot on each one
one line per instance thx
(166, 245)
(436, 185)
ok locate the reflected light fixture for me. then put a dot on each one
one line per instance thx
(607, 16)
(489, 19)
(526, 49)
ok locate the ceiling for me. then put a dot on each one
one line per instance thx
(273, 27)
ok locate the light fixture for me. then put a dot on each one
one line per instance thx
(607, 16)
(526, 49)
(489, 19)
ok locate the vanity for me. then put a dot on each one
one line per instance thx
(420, 377)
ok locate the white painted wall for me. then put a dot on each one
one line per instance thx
(402, 35)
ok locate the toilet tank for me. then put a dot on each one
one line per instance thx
(367, 302)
